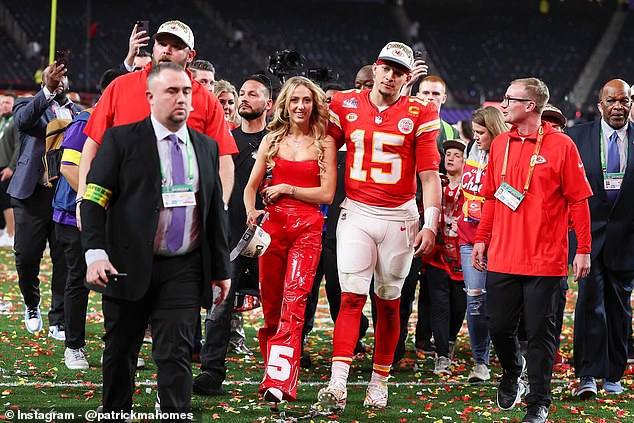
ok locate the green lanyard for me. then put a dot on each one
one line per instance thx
(604, 166)
(190, 164)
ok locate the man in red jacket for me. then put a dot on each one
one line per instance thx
(535, 182)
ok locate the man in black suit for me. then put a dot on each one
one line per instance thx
(603, 312)
(31, 199)
(153, 210)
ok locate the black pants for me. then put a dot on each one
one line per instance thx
(537, 298)
(172, 305)
(448, 306)
(603, 319)
(75, 293)
(33, 227)
(218, 324)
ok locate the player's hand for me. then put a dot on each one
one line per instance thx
(425, 240)
(477, 256)
(223, 286)
(419, 69)
(581, 266)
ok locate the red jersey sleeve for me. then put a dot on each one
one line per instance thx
(102, 116)
(334, 121)
(427, 128)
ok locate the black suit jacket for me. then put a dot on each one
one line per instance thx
(612, 226)
(128, 164)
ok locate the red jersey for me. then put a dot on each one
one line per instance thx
(475, 167)
(124, 102)
(385, 149)
(446, 252)
(533, 239)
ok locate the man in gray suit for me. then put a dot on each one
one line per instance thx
(31, 199)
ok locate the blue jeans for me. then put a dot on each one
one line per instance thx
(476, 307)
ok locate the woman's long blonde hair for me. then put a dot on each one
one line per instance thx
(281, 123)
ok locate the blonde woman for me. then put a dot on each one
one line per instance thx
(487, 123)
(302, 165)
(228, 98)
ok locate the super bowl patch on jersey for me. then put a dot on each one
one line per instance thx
(406, 125)
(351, 103)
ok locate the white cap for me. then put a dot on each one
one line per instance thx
(399, 53)
(253, 243)
(178, 29)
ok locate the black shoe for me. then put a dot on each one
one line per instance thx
(536, 414)
(304, 361)
(206, 384)
(425, 347)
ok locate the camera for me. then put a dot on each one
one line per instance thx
(285, 63)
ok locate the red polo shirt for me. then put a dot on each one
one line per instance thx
(124, 102)
(533, 239)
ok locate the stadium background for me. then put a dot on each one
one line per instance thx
(476, 46)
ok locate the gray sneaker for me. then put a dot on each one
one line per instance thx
(443, 366)
(480, 373)
(75, 359)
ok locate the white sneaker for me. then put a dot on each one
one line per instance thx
(333, 396)
(376, 395)
(75, 359)
(480, 373)
(442, 366)
(57, 332)
(33, 319)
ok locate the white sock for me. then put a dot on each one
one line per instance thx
(340, 371)
(378, 379)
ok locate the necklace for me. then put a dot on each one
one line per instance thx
(297, 142)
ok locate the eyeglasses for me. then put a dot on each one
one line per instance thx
(508, 99)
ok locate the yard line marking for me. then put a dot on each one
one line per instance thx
(80, 384)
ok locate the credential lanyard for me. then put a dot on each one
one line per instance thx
(190, 164)
(604, 166)
(531, 167)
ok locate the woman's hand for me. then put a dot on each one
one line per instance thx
(252, 217)
(273, 193)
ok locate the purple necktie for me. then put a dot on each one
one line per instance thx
(613, 165)
(177, 225)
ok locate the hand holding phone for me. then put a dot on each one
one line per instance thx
(61, 57)
(143, 26)
(420, 55)
(116, 277)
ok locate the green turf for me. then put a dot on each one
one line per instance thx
(33, 376)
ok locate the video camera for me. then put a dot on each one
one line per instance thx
(286, 63)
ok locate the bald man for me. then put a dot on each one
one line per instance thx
(603, 312)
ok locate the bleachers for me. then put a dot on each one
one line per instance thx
(481, 45)
(620, 62)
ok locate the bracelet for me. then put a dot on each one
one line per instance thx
(293, 189)
(79, 200)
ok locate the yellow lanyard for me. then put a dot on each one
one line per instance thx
(531, 167)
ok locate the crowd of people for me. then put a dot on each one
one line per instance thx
(364, 185)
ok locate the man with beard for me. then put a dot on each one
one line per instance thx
(31, 199)
(603, 313)
(124, 102)
(253, 103)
